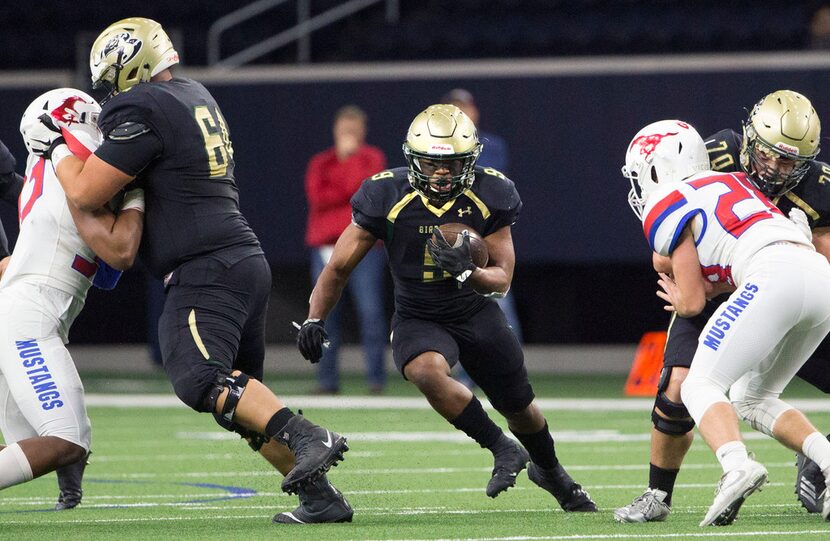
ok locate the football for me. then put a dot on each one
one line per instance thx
(478, 248)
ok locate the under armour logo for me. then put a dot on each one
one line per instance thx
(462, 212)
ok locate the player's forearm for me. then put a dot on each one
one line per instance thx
(490, 280)
(326, 293)
(821, 240)
(69, 171)
(115, 239)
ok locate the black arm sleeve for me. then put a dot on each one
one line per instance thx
(130, 154)
(4, 243)
(10, 186)
(10, 182)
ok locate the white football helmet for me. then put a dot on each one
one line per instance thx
(71, 109)
(662, 151)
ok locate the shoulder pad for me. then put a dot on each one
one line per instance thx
(665, 215)
(380, 192)
(727, 134)
(493, 172)
(127, 130)
(496, 190)
(382, 175)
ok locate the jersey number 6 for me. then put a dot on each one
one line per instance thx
(217, 140)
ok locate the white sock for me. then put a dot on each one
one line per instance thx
(817, 448)
(14, 466)
(731, 455)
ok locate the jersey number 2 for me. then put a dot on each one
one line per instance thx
(217, 140)
(756, 207)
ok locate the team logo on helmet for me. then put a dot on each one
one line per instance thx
(66, 112)
(648, 143)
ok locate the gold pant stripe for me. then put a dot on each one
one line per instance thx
(191, 320)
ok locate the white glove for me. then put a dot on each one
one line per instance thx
(798, 217)
(42, 136)
(134, 199)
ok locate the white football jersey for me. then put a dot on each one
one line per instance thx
(730, 220)
(49, 251)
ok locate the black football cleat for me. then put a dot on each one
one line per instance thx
(569, 494)
(320, 502)
(510, 459)
(315, 449)
(69, 484)
(809, 484)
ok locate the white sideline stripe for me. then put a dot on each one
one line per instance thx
(403, 471)
(103, 501)
(641, 535)
(454, 436)
(414, 403)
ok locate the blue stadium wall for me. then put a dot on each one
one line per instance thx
(583, 265)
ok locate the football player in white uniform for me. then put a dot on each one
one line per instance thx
(43, 417)
(717, 228)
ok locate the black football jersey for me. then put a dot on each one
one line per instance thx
(812, 194)
(391, 210)
(192, 201)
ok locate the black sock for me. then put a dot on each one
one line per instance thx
(475, 422)
(278, 422)
(662, 479)
(540, 446)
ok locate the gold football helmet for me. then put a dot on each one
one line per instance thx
(441, 149)
(129, 52)
(781, 138)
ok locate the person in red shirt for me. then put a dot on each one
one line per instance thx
(332, 177)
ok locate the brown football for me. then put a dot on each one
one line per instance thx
(478, 248)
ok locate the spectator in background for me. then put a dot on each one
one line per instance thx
(332, 177)
(820, 28)
(493, 154)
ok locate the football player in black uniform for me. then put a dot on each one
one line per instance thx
(777, 152)
(167, 135)
(69, 477)
(10, 185)
(442, 311)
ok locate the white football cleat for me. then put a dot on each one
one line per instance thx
(733, 488)
(650, 507)
(825, 510)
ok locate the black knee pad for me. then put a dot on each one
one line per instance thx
(512, 400)
(196, 395)
(678, 422)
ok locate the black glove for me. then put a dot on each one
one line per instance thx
(7, 161)
(311, 339)
(455, 260)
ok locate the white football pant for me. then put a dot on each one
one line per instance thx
(760, 337)
(40, 391)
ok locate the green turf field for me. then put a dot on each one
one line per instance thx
(167, 473)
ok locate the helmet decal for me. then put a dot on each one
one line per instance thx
(66, 112)
(660, 152)
(441, 149)
(648, 143)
